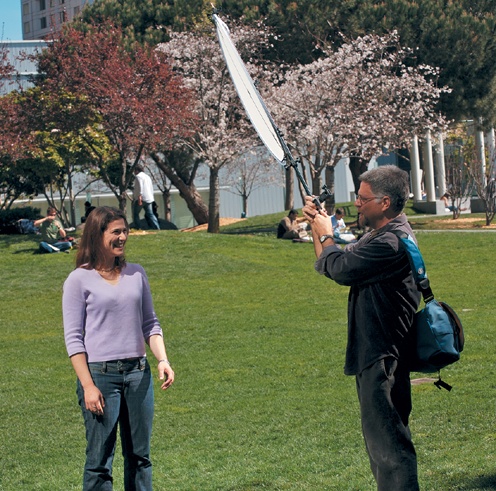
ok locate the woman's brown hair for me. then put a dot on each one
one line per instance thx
(91, 251)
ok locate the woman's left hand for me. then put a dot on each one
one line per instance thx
(166, 374)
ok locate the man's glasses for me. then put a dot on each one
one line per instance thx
(361, 200)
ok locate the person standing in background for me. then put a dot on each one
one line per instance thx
(143, 198)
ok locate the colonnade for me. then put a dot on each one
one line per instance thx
(434, 169)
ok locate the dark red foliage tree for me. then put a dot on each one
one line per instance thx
(141, 103)
(9, 129)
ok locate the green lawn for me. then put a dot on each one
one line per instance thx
(257, 340)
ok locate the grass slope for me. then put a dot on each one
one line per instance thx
(257, 340)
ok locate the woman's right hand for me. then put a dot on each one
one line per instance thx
(93, 400)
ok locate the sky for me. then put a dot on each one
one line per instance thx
(10, 20)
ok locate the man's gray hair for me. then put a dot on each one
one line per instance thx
(389, 180)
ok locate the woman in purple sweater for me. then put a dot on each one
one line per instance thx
(108, 318)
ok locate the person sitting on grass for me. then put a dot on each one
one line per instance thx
(341, 235)
(291, 227)
(450, 206)
(52, 233)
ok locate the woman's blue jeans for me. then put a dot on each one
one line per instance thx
(127, 389)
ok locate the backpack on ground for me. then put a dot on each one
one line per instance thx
(438, 330)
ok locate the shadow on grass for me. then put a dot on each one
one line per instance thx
(20, 244)
(477, 483)
(484, 482)
(29, 251)
(249, 230)
(253, 486)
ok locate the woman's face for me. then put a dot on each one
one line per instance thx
(114, 238)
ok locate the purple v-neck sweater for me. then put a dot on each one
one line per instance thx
(108, 321)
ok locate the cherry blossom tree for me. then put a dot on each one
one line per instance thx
(457, 36)
(357, 101)
(224, 132)
(141, 103)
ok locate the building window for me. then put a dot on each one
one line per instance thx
(62, 2)
(25, 9)
(43, 23)
(62, 16)
(76, 11)
(52, 3)
(27, 27)
(42, 4)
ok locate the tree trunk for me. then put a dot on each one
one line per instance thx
(490, 201)
(167, 204)
(188, 192)
(72, 199)
(123, 184)
(289, 198)
(244, 198)
(316, 185)
(357, 167)
(214, 202)
(122, 199)
(315, 173)
(303, 174)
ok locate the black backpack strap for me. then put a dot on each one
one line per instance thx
(441, 384)
(416, 263)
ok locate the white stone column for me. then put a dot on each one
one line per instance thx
(416, 174)
(430, 189)
(481, 152)
(440, 165)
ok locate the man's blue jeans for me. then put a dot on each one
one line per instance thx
(61, 246)
(127, 388)
(150, 217)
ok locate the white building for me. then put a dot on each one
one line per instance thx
(264, 200)
(24, 67)
(41, 17)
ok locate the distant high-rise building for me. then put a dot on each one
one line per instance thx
(42, 17)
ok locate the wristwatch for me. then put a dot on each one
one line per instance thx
(323, 238)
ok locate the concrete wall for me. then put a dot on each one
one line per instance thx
(264, 200)
(25, 68)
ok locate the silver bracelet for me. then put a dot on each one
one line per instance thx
(166, 361)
